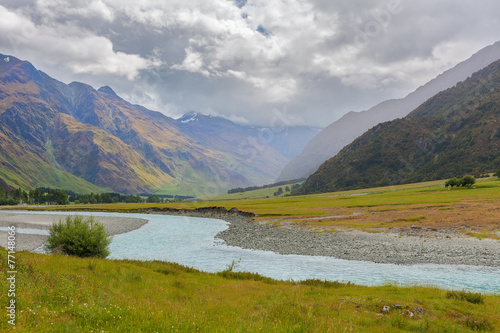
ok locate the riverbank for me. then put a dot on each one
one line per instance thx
(390, 248)
(29, 242)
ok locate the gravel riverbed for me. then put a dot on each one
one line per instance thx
(391, 248)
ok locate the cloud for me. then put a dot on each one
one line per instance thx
(76, 49)
(61, 9)
(193, 62)
(317, 58)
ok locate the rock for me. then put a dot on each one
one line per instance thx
(408, 313)
(419, 311)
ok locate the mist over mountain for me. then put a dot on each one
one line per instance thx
(454, 133)
(342, 132)
(75, 137)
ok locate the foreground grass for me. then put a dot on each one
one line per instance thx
(67, 294)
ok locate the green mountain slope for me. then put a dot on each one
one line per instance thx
(22, 168)
(455, 132)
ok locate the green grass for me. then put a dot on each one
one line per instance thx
(255, 194)
(68, 294)
(402, 196)
(473, 298)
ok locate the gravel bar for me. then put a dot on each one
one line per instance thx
(357, 245)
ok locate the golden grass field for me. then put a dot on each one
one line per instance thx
(428, 206)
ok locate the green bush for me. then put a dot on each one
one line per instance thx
(79, 237)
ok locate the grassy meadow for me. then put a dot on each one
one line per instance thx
(68, 294)
(429, 205)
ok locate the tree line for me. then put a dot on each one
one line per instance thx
(37, 196)
(50, 196)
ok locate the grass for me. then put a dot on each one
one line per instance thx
(68, 294)
(429, 205)
(255, 194)
(473, 298)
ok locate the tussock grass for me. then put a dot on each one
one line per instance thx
(68, 294)
(473, 298)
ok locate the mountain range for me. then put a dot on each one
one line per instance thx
(454, 133)
(333, 138)
(72, 136)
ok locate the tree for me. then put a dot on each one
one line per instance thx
(153, 198)
(79, 237)
(467, 181)
(452, 182)
(106, 198)
(497, 174)
(39, 196)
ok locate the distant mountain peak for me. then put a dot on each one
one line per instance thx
(107, 90)
(189, 117)
(4, 58)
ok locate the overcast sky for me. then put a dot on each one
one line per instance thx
(305, 61)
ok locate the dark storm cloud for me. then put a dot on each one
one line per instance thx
(309, 60)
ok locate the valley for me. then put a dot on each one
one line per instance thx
(249, 166)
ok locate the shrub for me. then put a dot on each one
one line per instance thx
(79, 237)
(497, 174)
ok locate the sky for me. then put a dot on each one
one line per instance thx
(299, 62)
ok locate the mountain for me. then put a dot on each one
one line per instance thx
(454, 133)
(342, 132)
(220, 133)
(72, 136)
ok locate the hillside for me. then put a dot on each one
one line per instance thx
(342, 132)
(454, 133)
(74, 137)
